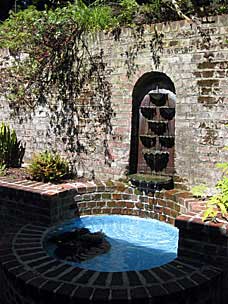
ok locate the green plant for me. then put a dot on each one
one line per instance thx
(128, 11)
(2, 169)
(50, 47)
(218, 203)
(199, 190)
(49, 167)
(11, 149)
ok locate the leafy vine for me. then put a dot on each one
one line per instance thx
(63, 74)
(55, 62)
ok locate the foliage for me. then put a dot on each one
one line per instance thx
(57, 64)
(51, 40)
(199, 190)
(2, 169)
(56, 60)
(49, 167)
(218, 203)
(11, 149)
(128, 11)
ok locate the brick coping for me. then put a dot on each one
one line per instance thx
(24, 258)
(49, 189)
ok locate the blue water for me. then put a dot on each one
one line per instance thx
(136, 243)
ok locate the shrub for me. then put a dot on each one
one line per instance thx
(218, 203)
(49, 167)
(11, 149)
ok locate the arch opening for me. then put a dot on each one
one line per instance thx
(153, 125)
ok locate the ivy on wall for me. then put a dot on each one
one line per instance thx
(53, 63)
(50, 47)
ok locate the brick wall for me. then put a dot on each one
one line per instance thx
(195, 57)
(47, 204)
(29, 275)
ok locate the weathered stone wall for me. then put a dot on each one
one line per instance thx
(195, 57)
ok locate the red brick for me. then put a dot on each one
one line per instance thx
(120, 204)
(91, 204)
(167, 210)
(170, 204)
(96, 210)
(116, 211)
(111, 204)
(162, 217)
(101, 204)
(129, 204)
(180, 197)
(126, 211)
(139, 205)
(170, 194)
(117, 196)
(105, 210)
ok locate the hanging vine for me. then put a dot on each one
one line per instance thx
(56, 62)
(57, 68)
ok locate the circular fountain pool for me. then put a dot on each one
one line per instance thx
(136, 243)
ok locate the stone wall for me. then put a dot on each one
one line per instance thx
(194, 56)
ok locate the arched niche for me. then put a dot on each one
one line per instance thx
(152, 134)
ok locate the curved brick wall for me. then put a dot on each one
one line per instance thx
(29, 276)
(28, 201)
(164, 206)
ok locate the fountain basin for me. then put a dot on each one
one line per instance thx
(148, 141)
(29, 274)
(136, 243)
(150, 183)
(156, 160)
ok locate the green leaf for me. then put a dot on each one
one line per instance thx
(209, 213)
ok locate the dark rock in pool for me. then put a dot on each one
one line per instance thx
(79, 244)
